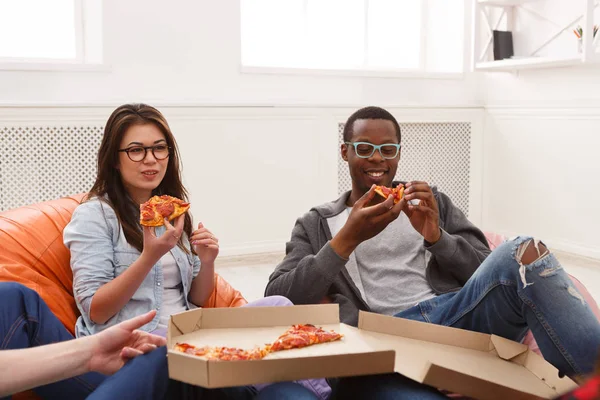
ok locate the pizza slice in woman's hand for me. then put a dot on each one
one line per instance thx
(154, 211)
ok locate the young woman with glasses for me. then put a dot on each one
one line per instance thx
(121, 269)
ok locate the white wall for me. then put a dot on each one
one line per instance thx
(184, 57)
(541, 175)
(284, 162)
(542, 135)
(189, 51)
(251, 171)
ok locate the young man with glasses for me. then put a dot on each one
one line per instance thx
(422, 259)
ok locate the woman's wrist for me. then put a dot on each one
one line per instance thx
(207, 264)
(148, 259)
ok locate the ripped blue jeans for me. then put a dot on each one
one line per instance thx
(506, 297)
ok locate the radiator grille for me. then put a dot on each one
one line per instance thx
(39, 163)
(438, 153)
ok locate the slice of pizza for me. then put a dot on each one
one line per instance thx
(193, 350)
(218, 353)
(385, 192)
(231, 354)
(303, 335)
(296, 337)
(154, 211)
(259, 352)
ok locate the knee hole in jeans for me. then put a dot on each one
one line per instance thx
(531, 251)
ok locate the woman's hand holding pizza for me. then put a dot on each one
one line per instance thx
(424, 216)
(156, 247)
(206, 245)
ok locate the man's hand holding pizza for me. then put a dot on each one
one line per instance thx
(424, 216)
(364, 222)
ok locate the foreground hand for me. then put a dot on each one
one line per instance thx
(206, 245)
(156, 247)
(364, 222)
(110, 349)
(424, 217)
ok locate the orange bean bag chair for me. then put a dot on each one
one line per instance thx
(34, 255)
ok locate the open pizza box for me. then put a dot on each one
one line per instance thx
(473, 364)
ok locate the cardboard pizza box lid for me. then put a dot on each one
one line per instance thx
(470, 363)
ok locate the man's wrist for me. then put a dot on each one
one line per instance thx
(343, 246)
(432, 241)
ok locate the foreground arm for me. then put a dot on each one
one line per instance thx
(105, 352)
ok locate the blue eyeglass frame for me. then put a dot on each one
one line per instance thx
(375, 147)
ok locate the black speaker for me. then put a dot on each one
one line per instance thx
(503, 45)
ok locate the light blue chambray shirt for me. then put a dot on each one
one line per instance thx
(100, 253)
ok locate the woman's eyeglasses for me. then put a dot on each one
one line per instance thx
(138, 153)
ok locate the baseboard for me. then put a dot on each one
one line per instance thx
(247, 260)
(252, 248)
(565, 246)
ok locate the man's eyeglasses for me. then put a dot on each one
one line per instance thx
(138, 153)
(366, 149)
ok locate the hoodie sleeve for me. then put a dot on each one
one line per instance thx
(305, 275)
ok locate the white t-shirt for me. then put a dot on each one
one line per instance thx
(173, 300)
(388, 269)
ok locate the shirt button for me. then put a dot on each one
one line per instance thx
(158, 283)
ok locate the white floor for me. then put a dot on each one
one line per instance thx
(250, 274)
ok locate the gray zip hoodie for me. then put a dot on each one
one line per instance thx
(311, 271)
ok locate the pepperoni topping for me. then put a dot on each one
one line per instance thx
(386, 191)
(165, 209)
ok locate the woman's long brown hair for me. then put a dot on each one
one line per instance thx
(109, 185)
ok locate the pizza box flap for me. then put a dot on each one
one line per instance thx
(470, 363)
(508, 349)
(186, 322)
(253, 317)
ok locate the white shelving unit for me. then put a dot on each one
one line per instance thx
(482, 48)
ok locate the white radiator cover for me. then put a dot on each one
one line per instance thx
(39, 163)
(438, 153)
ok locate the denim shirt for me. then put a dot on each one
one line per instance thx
(100, 253)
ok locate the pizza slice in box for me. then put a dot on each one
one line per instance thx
(296, 337)
(303, 335)
(385, 192)
(154, 211)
